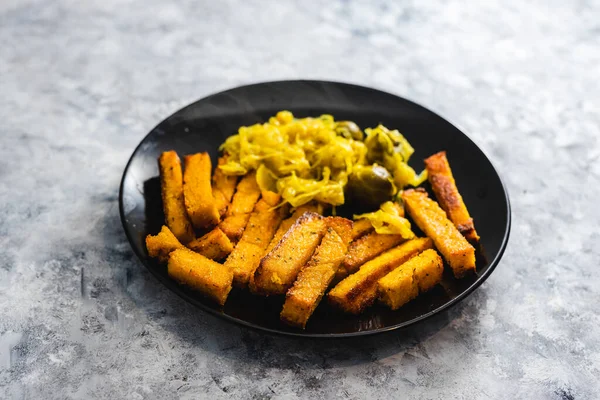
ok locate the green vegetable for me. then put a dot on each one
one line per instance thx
(370, 185)
(349, 130)
(301, 159)
(392, 150)
(306, 159)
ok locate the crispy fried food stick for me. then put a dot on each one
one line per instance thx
(304, 296)
(162, 244)
(417, 275)
(238, 213)
(358, 291)
(444, 186)
(197, 191)
(271, 198)
(288, 222)
(247, 254)
(171, 184)
(214, 245)
(364, 249)
(278, 270)
(432, 220)
(361, 228)
(223, 187)
(198, 272)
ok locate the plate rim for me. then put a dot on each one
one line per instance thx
(301, 334)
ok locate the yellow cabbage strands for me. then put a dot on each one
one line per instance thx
(306, 159)
(392, 151)
(387, 220)
(302, 159)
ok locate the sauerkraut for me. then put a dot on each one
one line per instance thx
(311, 158)
(387, 220)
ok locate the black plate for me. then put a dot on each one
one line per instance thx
(205, 124)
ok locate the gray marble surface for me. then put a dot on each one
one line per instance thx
(81, 83)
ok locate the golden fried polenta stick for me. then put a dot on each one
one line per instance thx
(399, 289)
(444, 186)
(278, 270)
(271, 198)
(238, 213)
(207, 276)
(430, 270)
(246, 195)
(223, 187)
(248, 252)
(233, 226)
(361, 228)
(358, 291)
(288, 222)
(304, 296)
(171, 182)
(417, 275)
(343, 227)
(197, 191)
(432, 220)
(364, 249)
(214, 245)
(162, 244)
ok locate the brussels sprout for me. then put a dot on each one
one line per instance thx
(370, 186)
(382, 142)
(349, 130)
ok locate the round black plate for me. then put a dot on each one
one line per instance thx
(205, 124)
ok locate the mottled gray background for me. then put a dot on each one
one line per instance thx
(82, 82)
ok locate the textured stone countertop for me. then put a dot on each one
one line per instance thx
(82, 82)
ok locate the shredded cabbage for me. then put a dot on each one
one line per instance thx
(388, 220)
(392, 150)
(302, 159)
(306, 159)
(298, 191)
